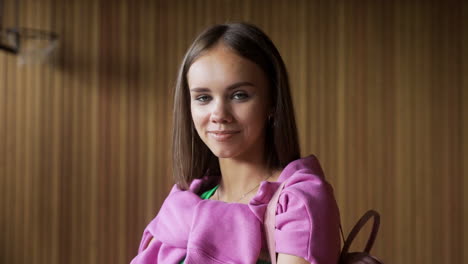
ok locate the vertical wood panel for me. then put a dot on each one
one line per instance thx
(465, 125)
(380, 92)
(3, 180)
(464, 129)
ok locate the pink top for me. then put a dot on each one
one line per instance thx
(209, 231)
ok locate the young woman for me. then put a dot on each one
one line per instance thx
(235, 141)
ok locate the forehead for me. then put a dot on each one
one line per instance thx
(220, 66)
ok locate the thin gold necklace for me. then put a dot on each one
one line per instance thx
(245, 194)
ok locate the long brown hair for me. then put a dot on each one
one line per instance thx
(191, 158)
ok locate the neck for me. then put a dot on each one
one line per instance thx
(239, 176)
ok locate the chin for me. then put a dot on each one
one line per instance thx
(224, 154)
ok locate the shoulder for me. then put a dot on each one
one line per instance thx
(307, 198)
(307, 216)
(304, 180)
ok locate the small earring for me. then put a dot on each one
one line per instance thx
(271, 120)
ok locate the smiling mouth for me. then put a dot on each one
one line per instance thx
(222, 135)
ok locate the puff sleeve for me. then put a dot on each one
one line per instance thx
(307, 219)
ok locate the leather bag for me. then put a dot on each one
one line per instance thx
(364, 257)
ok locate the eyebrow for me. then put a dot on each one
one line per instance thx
(230, 87)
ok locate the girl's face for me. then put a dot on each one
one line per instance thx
(229, 103)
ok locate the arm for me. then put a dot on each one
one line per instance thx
(307, 224)
(290, 259)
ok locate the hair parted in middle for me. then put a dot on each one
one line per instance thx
(191, 158)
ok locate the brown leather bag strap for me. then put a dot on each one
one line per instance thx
(358, 227)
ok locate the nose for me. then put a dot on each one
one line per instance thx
(221, 113)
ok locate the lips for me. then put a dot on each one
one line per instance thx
(222, 135)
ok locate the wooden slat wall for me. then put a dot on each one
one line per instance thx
(381, 96)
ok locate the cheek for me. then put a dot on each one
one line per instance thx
(255, 118)
(199, 116)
